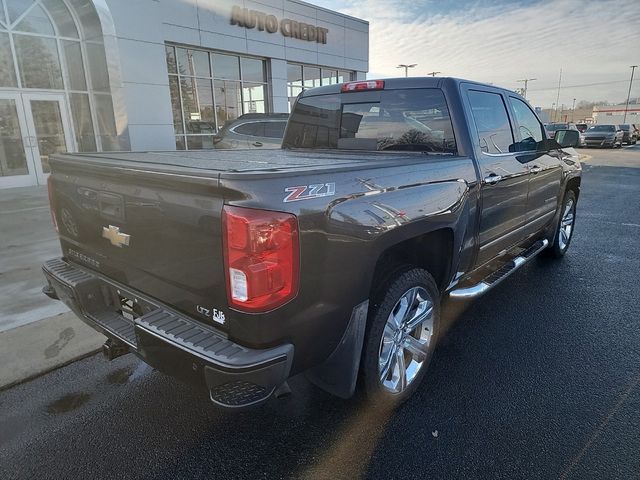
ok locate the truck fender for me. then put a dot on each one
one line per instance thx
(386, 218)
(376, 214)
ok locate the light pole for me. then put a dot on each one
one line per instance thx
(526, 82)
(433, 74)
(406, 68)
(559, 83)
(633, 69)
(553, 112)
(573, 111)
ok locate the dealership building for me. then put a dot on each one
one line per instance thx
(100, 75)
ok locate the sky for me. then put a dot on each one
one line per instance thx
(501, 42)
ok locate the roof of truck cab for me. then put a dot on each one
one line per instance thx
(404, 82)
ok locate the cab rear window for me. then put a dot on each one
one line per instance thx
(409, 120)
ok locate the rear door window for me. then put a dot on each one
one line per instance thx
(492, 122)
(409, 120)
(254, 129)
(274, 129)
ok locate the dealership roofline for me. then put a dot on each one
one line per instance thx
(328, 10)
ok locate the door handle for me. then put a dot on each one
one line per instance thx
(535, 169)
(492, 179)
(257, 144)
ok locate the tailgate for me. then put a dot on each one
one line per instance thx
(157, 233)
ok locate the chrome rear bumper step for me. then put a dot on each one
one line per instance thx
(499, 275)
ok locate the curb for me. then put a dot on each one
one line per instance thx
(31, 350)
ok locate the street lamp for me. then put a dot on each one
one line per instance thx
(633, 69)
(553, 112)
(433, 74)
(573, 111)
(406, 68)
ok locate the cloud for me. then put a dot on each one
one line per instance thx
(593, 41)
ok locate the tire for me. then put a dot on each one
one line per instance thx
(385, 337)
(561, 242)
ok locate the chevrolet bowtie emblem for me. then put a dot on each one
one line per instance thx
(115, 237)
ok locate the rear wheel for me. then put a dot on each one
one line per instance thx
(401, 336)
(565, 226)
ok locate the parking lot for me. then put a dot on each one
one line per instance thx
(540, 378)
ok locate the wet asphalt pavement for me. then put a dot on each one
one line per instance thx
(538, 379)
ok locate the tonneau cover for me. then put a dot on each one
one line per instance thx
(237, 160)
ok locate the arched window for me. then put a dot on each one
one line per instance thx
(56, 45)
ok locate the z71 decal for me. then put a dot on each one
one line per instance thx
(307, 192)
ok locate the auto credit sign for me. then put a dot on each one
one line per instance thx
(243, 17)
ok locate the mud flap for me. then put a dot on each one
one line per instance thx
(338, 374)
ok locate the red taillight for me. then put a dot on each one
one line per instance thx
(261, 256)
(52, 202)
(360, 86)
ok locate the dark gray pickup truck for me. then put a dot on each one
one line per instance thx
(235, 270)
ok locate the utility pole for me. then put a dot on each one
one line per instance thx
(526, 82)
(559, 82)
(573, 111)
(633, 69)
(406, 68)
(433, 74)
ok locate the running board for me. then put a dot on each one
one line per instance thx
(499, 275)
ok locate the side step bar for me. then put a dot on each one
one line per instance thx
(499, 275)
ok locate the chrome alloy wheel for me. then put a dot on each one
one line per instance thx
(566, 225)
(406, 340)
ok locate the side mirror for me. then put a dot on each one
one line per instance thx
(567, 138)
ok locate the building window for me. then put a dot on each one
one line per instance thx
(55, 53)
(300, 77)
(209, 89)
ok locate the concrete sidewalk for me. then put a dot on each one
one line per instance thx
(37, 334)
(27, 239)
(38, 347)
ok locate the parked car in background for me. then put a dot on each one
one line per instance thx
(629, 134)
(582, 127)
(253, 130)
(552, 128)
(604, 136)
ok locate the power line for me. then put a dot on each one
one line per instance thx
(578, 86)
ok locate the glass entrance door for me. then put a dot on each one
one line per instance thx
(32, 127)
(49, 129)
(16, 162)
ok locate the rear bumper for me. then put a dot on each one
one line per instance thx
(234, 376)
